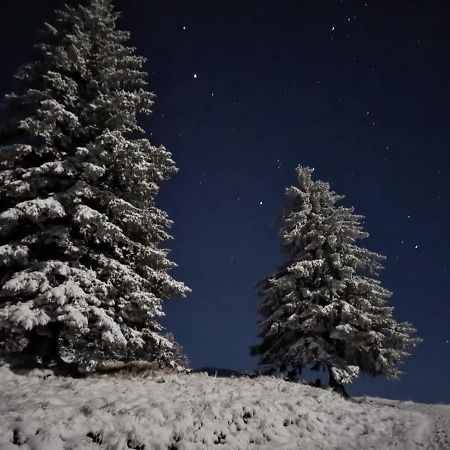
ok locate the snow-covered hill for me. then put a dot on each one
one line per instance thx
(182, 412)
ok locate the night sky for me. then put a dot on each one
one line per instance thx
(246, 90)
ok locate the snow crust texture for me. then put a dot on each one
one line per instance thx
(179, 411)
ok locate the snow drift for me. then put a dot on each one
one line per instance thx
(194, 411)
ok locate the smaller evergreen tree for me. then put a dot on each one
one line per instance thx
(326, 308)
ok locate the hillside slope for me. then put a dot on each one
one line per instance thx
(182, 412)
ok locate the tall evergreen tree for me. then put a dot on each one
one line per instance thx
(82, 273)
(325, 308)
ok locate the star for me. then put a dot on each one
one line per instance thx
(184, 28)
(416, 246)
(261, 202)
(195, 75)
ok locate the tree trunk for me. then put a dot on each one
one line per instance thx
(44, 344)
(292, 375)
(52, 349)
(336, 385)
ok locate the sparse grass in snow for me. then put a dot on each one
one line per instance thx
(193, 411)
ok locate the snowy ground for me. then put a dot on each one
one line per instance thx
(181, 412)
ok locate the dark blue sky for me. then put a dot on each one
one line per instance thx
(246, 90)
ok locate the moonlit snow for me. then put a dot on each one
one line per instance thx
(193, 411)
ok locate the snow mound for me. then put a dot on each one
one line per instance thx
(193, 411)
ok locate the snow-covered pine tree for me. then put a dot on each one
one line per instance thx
(82, 274)
(325, 308)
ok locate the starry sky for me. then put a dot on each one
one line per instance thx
(359, 90)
